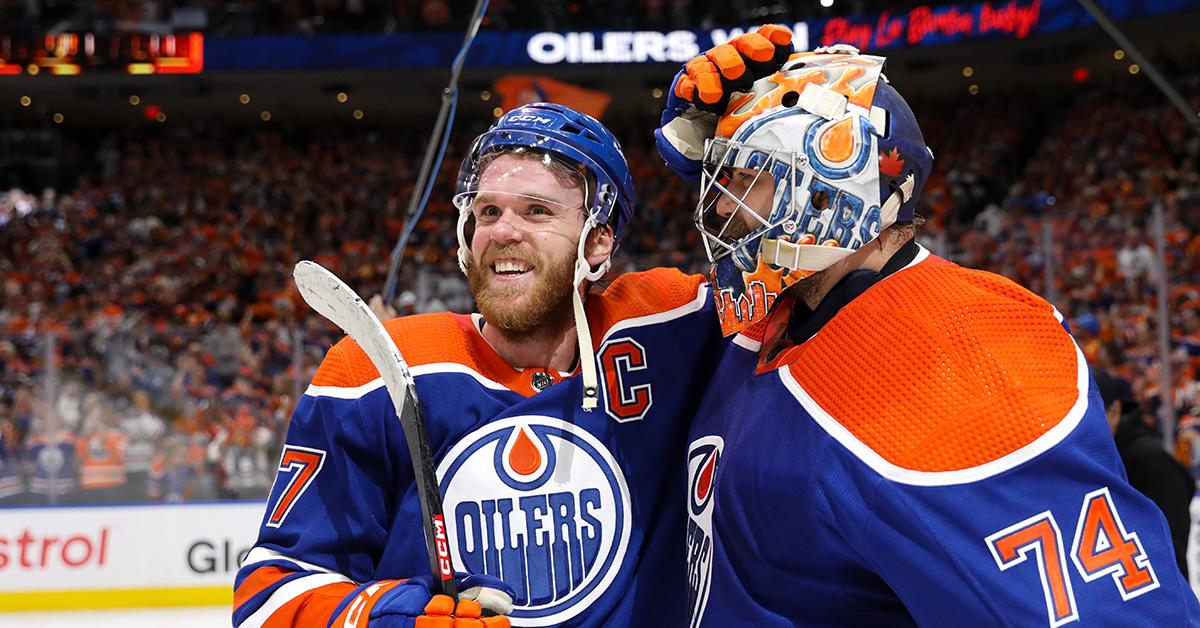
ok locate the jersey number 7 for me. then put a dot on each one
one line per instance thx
(1102, 546)
(304, 464)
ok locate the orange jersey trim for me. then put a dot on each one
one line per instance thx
(426, 339)
(634, 295)
(940, 368)
(360, 607)
(257, 581)
(312, 608)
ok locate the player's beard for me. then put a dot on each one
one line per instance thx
(546, 307)
(811, 290)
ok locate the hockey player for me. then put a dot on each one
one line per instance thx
(576, 510)
(916, 442)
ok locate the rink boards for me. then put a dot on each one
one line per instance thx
(123, 556)
(163, 555)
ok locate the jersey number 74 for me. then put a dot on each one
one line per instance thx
(1102, 546)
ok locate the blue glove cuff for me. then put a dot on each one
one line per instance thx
(689, 169)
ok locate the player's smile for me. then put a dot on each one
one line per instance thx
(509, 270)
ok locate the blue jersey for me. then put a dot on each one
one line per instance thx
(578, 511)
(935, 454)
(55, 460)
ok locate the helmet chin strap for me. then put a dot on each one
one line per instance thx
(464, 252)
(587, 353)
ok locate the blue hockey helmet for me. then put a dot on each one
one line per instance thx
(566, 135)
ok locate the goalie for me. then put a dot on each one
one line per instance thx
(918, 443)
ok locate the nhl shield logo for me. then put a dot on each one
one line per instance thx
(542, 505)
(703, 456)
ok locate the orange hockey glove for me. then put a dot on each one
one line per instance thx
(410, 604)
(707, 80)
(441, 613)
(701, 91)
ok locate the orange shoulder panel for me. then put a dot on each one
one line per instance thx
(424, 339)
(347, 365)
(942, 368)
(640, 294)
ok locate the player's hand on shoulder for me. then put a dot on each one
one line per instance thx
(483, 603)
(700, 92)
(384, 311)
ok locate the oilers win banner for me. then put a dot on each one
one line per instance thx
(922, 25)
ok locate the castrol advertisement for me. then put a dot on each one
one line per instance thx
(111, 556)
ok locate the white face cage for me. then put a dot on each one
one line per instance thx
(474, 180)
(731, 174)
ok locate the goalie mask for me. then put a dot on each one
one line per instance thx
(569, 142)
(812, 164)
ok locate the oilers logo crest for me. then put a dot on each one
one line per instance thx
(703, 456)
(542, 505)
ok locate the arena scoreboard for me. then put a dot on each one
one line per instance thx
(65, 54)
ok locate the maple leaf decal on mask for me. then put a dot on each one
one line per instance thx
(891, 164)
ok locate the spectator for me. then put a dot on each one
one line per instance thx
(53, 467)
(1151, 470)
(11, 484)
(241, 450)
(101, 454)
(1136, 259)
(144, 432)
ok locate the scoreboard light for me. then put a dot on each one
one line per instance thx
(66, 54)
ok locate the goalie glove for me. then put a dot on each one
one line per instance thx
(700, 93)
(410, 604)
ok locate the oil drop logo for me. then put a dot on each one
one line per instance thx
(542, 505)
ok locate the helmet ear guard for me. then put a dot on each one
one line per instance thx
(845, 149)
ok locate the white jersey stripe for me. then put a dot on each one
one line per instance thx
(287, 593)
(895, 473)
(262, 554)
(455, 367)
(341, 392)
(356, 392)
(747, 343)
(694, 305)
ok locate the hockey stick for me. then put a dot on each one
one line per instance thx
(433, 153)
(334, 300)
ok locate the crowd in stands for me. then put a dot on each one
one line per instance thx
(152, 347)
(245, 17)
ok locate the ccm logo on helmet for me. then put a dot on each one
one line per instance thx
(530, 118)
(627, 392)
